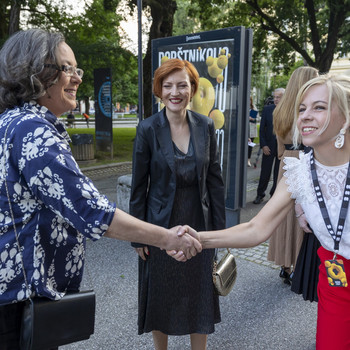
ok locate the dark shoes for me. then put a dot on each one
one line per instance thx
(258, 199)
(286, 276)
(291, 276)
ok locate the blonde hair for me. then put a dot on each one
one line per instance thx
(339, 93)
(283, 114)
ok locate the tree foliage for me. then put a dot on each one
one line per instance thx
(317, 30)
(92, 35)
(182, 25)
(284, 31)
(162, 14)
(95, 40)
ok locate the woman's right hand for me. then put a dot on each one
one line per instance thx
(142, 252)
(300, 215)
(266, 150)
(304, 224)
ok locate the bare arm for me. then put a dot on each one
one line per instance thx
(127, 228)
(257, 230)
(280, 147)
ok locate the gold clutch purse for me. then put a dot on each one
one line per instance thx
(224, 274)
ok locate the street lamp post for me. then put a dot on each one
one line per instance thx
(140, 61)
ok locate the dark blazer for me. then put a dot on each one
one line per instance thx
(267, 137)
(153, 175)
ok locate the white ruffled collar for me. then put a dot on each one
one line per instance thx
(298, 177)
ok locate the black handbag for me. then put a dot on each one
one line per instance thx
(48, 324)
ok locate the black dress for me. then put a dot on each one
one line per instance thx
(305, 278)
(178, 298)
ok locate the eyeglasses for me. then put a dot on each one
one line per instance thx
(69, 70)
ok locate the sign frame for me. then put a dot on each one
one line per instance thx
(103, 109)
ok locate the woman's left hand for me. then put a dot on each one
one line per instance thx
(142, 252)
(177, 255)
(300, 215)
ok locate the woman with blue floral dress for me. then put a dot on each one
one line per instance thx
(48, 208)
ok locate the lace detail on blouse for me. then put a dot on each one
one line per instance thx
(332, 181)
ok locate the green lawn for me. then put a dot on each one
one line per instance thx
(123, 141)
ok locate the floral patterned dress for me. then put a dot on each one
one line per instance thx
(55, 207)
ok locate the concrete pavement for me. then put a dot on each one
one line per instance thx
(260, 313)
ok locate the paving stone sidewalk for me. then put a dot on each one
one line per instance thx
(101, 171)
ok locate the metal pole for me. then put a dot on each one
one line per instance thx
(140, 61)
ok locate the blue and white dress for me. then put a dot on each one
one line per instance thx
(55, 207)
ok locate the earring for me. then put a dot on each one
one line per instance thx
(339, 141)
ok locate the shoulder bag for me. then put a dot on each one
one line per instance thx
(224, 274)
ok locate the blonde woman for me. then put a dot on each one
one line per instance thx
(285, 243)
(319, 179)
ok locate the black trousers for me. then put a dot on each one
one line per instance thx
(266, 168)
(250, 148)
(10, 326)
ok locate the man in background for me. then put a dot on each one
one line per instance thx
(268, 143)
(87, 117)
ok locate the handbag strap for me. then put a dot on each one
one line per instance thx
(10, 208)
(216, 253)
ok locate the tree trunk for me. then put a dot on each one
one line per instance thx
(325, 63)
(87, 104)
(14, 16)
(4, 21)
(162, 12)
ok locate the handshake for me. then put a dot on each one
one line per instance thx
(182, 244)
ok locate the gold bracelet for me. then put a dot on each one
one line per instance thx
(299, 215)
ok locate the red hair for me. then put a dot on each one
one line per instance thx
(169, 67)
